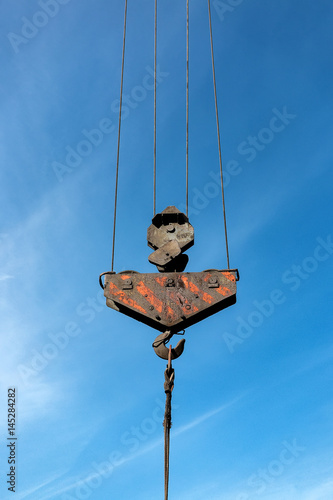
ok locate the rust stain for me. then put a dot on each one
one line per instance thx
(171, 313)
(149, 296)
(123, 277)
(124, 298)
(223, 291)
(161, 281)
(194, 289)
(229, 276)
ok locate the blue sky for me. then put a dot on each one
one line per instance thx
(253, 402)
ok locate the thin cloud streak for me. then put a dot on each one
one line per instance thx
(206, 416)
(154, 444)
(5, 277)
(27, 493)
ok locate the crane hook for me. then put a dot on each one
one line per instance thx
(162, 351)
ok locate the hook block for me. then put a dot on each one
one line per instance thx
(171, 301)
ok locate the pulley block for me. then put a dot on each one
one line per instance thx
(171, 299)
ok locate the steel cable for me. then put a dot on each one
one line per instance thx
(155, 65)
(118, 145)
(218, 133)
(167, 425)
(187, 99)
(169, 376)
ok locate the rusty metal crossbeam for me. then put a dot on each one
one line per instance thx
(170, 301)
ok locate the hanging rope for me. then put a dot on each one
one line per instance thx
(118, 146)
(169, 376)
(155, 63)
(218, 134)
(187, 97)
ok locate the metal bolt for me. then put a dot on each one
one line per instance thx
(188, 306)
(212, 279)
(170, 228)
(151, 308)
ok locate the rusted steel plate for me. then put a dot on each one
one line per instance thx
(171, 224)
(170, 301)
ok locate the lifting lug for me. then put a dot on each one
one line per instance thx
(162, 351)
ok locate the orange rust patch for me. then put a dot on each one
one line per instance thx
(149, 296)
(123, 277)
(124, 298)
(194, 289)
(223, 291)
(170, 313)
(161, 281)
(229, 276)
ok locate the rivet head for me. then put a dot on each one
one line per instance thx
(188, 306)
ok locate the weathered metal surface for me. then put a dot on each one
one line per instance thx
(170, 234)
(170, 301)
(171, 224)
(164, 255)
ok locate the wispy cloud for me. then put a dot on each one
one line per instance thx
(322, 492)
(35, 489)
(72, 483)
(4, 277)
(206, 416)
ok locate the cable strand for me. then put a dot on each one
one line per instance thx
(169, 376)
(187, 99)
(155, 64)
(118, 145)
(167, 426)
(218, 134)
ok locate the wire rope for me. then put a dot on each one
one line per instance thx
(155, 66)
(187, 98)
(218, 134)
(118, 145)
